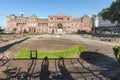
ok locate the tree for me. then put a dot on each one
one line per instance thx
(14, 30)
(112, 13)
(1, 30)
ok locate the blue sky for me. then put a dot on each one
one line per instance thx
(43, 8)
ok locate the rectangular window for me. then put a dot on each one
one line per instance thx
(51, 18)
(68, 19)
(59, 19)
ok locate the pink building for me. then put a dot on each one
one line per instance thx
(58, 23)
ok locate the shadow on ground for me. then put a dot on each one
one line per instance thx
(16, 73)
(31, 73)
(40, 70)
(65, 74)
(110, 65)
(4, 48)
(101, 67)
(45, 73)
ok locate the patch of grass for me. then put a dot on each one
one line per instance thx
(4, 36)
(66, 53)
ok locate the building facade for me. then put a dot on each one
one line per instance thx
(104, 23)
(105, 26)
(58, 23)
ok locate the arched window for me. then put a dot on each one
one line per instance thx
(60, 26)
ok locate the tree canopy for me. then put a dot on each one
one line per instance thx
(1, 30)
(112, 13)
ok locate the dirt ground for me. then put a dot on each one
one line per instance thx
(97, 62)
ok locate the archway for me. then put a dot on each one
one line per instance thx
(60, 28)
(52, 31)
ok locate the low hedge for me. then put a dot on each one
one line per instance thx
(66, 53)
(116, 50)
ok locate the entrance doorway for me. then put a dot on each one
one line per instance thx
(60, 28)
(31, 29)
(52, 31)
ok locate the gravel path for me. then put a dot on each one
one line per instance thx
(52, 42)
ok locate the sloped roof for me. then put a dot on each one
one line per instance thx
(59, 15)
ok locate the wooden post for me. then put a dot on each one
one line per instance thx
(33, 52)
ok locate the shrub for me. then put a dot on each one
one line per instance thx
(116, 50)
(66, 53)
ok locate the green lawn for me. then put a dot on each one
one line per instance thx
(24, 53)
(2, 36)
